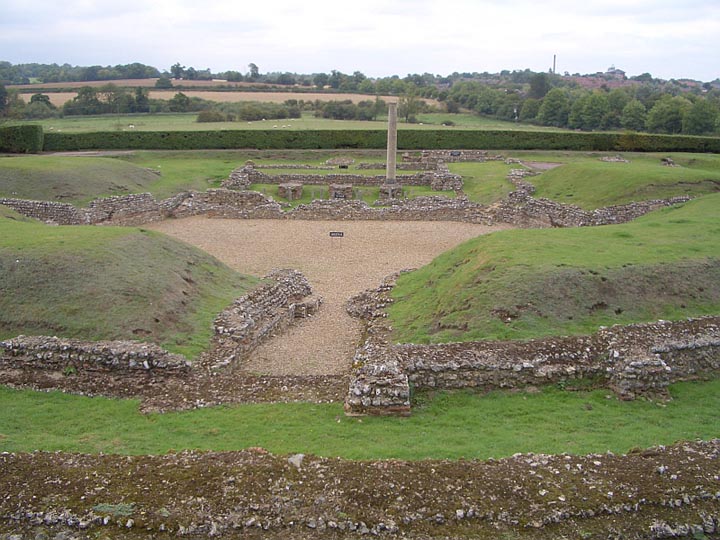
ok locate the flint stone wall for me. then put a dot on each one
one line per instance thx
(450, 156)
(519, 208)
(284, 296)
(633, 360)
(52, 353)
(439, 180)
(49, 212)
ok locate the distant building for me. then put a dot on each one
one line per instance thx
(614, 73)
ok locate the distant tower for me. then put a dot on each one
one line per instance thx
(554, 60)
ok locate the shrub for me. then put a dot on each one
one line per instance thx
(211, 116)
(21, 139)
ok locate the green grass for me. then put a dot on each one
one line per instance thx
(484, 183)
(74, 180)
(369, 194)
(187, 122)
(111, 283)
(451, 425)
(529, 283)
(591, 183)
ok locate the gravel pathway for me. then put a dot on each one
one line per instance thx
(337, 268)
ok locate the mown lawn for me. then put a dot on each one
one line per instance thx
(451, 425)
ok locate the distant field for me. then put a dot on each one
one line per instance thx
(59, 98)
(187, 122)
(133, 83)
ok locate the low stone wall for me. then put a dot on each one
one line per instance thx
(639, 359)
(519, 208)
(49, 212)
(450, 156)
(132, 209)
(522, 209)
(284, 296)
(52, 353)
(437, 178)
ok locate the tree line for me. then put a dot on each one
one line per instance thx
(548, 102)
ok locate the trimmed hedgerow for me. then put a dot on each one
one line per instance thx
(195, 140)
(21, 139)
(407, 140)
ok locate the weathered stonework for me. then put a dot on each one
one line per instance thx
(450, 156)
(638, 359)
(49, 212)
(284, 296)
(291, 192)
(58, 354)
(340, 191)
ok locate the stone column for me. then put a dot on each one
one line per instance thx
(391, 143)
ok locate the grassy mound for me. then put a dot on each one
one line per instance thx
(75, 180)
(110, 283)
(591, 183)
(529, 283)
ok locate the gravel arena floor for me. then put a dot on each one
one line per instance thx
(337, 268)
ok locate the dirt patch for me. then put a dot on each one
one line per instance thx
(541, 165)
(337, 268)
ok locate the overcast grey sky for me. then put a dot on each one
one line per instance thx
(670, 39)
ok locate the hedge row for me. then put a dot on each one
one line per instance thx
(198, 140)
(407, 140)
(21, 139)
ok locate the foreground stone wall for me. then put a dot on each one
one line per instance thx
(660, 492)
(58, 354)
(633, 360)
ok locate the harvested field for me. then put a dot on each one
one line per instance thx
(337, 268)
(272, 97)
(59, 98)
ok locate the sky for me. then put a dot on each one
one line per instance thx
(669, 39)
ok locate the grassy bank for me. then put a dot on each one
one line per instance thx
(530, 283)
(451, 425)
(110, 283)
(591, 183)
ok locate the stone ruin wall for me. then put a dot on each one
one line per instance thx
(59, 354)
(49, 212)
(450, 156)
(437, 179)
(522, 209)
(283, 297)
(633, 360)
(519, 208)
